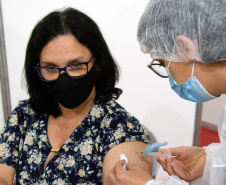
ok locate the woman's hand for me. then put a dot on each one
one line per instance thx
(188, 163)
(134, 175)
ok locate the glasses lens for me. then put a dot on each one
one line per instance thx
(77, 70)
(159, 68)
(49, 73)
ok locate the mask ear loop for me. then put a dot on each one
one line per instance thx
(193, 68)
(168, 65)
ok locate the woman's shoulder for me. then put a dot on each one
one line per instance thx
(118, 108)
(23, 109)
(119, 126)
(115, 111)
(110, 107)
(24, 106)
(22, 116)
(22, 103)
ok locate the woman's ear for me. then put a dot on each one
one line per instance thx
(186, 47)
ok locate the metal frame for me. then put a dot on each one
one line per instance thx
(4, 72)
(197, 128)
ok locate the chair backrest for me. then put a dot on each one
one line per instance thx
(155, 162)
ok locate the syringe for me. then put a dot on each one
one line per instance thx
(166, 154)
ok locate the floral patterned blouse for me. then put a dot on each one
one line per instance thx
(24, 145)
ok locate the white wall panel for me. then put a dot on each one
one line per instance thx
(1, 110)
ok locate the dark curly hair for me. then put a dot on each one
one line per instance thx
(83, 28)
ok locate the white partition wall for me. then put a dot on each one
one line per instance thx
(145, 95)
(1, 110)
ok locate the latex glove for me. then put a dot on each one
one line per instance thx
(134, 175)
(188, 164)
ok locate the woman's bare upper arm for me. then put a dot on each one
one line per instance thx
(130, 149)
(6, 174)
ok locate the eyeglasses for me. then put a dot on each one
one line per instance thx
(75, 71)
(158, 67)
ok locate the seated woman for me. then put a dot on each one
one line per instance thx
(71, 130)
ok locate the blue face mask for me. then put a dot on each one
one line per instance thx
(192, 90)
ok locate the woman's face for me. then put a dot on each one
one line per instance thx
(68, 92)
(64, 50)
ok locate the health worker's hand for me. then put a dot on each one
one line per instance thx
(134, 175)
(188, 163)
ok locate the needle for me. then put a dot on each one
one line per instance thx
(166, 154)
(153, 154)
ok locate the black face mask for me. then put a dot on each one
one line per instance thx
(72, 92)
